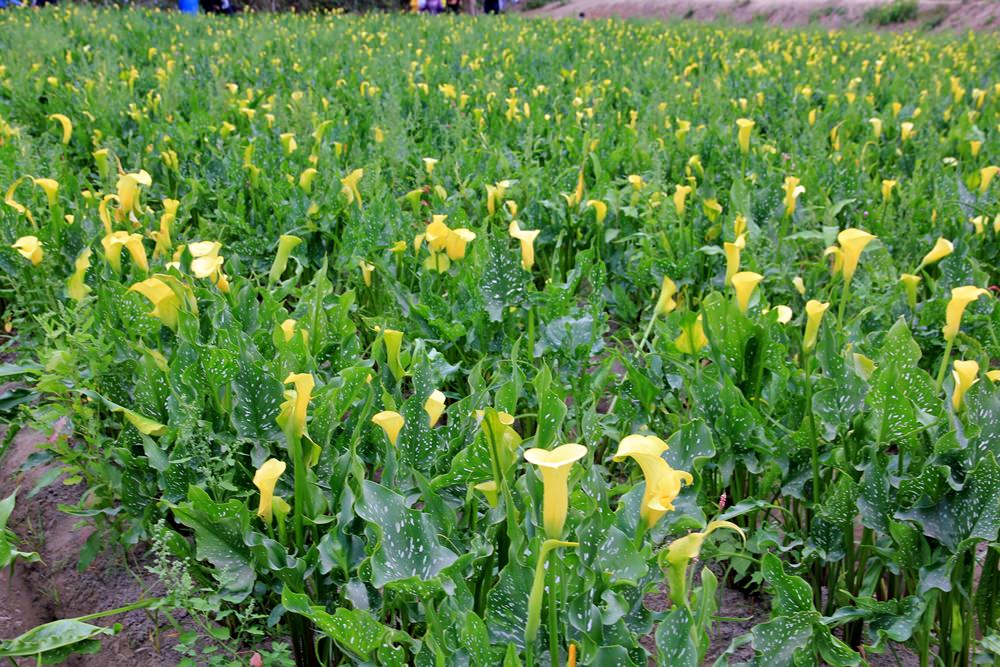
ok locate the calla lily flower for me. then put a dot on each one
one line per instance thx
(128, 192)
(661, 479)
(745, 127)
(942, 248)
(887, 186)
(489, 491)
(814, 315)
(635, 180)
(436, 233)
(101, 161)
(292, 417)
(733, 256)
(600, 209)
(838, 259)
(30, 248)
(51, 189)
(429, 164)
(965, 374)
(745, 282)
(876, 124)
(993, 376)
(457, 241)
(792, 192)
(668, 487)
(527, 239)
(554, 466)
(288, 143)
(76, 288)
(165, 301)
(286, 243)
(162, 237)
(390, 422)
(113, 244)
(366, 272)
(288, 329)
(66, 124)
(434, 407)
(961, 297)
(692, 339)
(393, 340)
(910, 284)
(680, 198)
(306, 179)
(986, 175)
(665, 303)
(143, 424)
(906, 131)
(784, 314)
(685, 549)
(265, 479)
(495, 194)
(14, 204)
(350, 186)
(852, 243)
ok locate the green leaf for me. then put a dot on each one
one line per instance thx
(551, 409)
(257, 397)
(673, 640)
(54, 642)
(502, 283)
(690, 446)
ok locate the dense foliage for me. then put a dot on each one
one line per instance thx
(447, 342)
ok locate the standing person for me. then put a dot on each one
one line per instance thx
(492, 6)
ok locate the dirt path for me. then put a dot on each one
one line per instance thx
(54, 588)
(954, 15)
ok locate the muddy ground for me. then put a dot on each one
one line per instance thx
(956, 15)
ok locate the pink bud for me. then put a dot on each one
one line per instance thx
(256, 660)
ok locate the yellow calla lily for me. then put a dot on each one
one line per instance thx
(965, 374)
(692, 338)
(286, 243)
(680, 198)
(393, 340)
(685, 549)
(129, 188)
(910, 284)
(30, 248)
(294, 410)
(265, 479)
(906, 131)
(785, 314)
(349, 186)
(137, 251)
(665, 302)
(162, 237)
(668, 487)
(51, 189)
(434, 407)
(456, 242)
(792, 192)
(838, 259)
(144, 425)
(942, 248)
(986, 175)
(288, 143)
(744, 128)
(852, 243)
(366, 272)
(288, 329)
(66, 124)
(306, 179)
(101, 161)
(16, 205)
(554, 466)
(527, 239)
(165, 301)
(993, 376)
(876, 124)
(390, 422)
(745, 282)
(887, 185)
(489, 491)
(961, 297)
(600, 209)
(635, 180)
(76, 288)
(495, 194)
(661, 479)
(814, 315)
(733, 256)
(113, 244)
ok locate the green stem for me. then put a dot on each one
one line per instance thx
(944, 363)
(141, 604)
(645, 335)
(553, 613)
(844, 295)
(811, 420)
(300, 492)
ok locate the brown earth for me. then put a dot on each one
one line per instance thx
(954, 15)
(54, 588)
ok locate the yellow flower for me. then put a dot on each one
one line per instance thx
(456, 242)
(489, 491)
(887, 186)
(429, 164)
(635, 180)
(942, 248)
(663, 483)
(692, 339)
(799, 285)
(986, 175)
(680, 196)
(906, 131)
(910, 284)
(286, 243)
(961, 297)
(292, 417)
(665, 303)
(495, 194)
(667, 487)
(685, 549)
(393, 340)
(67, 126)
(306, 179)
(14, 204)
(265, 479)
(101, 160)
(437, 233)
(76, 288)
(165, 301)
(745, 282)
(390, 422)
(792, 192)
(128, 192)
(162, 237)
(288, 329)
(852, 242)
(733, 256)
(366, 272)
(838, 259)
(527, 239)
(350, 186)
(712, 209)
(745, 126)
(51, 189)
(434, 406)
(965, 374)
(784, 314)
(994, 376)
(113, 244)
(974, 147)
(876, 124)
(207, 262)
(554, 466)
(814, 315)
(600, 209)
(739, 225)
(30, 248)
(288, 143)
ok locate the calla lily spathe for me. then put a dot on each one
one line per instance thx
(30, 248)
(887, 186)
(745, 282)
(554, 466)
(129, 187)
(265, 479)
(527, 238)
(600, 209)
(286, 243)
(665, 303)
(852, 242)
(733, 251)
(942, 248)
(663, 483)
(391, 422)
(165, 301)
(965, 374)
(744, 128)
(349, 186)
(910, 284)
(814, 315)
(680, 198)
(66, 124)
(434, 407)
(986, 175)
(961, 297)
(294, 410)
(692, 338)
(76, 288)
(792, 192)
(393, 340)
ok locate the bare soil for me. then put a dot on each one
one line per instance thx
(54, 588)
(959, 15)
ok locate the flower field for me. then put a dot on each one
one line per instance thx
(449, 341)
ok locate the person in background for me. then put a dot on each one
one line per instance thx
(491, 6)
